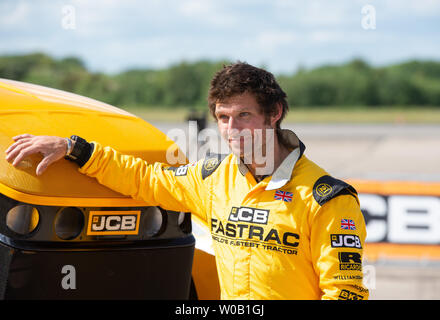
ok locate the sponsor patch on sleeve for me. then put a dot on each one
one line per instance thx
(327, 187)
(349, 295)
(345, 241)
(211, 163)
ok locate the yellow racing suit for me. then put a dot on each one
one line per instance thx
(298, 234)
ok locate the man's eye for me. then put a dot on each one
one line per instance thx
(222, 117)
(244, 114)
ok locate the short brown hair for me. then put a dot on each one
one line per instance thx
(241, 77)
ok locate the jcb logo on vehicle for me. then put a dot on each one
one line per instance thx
(113, 222)
(345, 241)
(247, 214)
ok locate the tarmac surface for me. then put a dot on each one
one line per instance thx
(375, 152)
(407, 280)
(363, 151)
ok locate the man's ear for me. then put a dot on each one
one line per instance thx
(276, 115)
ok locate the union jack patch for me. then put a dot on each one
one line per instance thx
(348, 224)
(283, 195)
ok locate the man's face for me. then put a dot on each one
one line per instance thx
(243, 125)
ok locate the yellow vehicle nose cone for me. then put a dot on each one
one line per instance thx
(27, 108)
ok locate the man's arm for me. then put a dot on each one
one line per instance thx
(156, 184)
(337, 243)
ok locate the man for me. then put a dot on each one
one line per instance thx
(282, 227)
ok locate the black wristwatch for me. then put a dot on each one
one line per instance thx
(81, 151)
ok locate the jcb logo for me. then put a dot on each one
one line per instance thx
(345, 241)
(113, 222)
(249, 215)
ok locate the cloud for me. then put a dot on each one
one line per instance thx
(419, 8)
(270, 41)
(114, 35)
(207, 12)
(14, 15)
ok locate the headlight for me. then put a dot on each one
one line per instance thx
(22, 219)
(69, 223)
(184, 222)
(153, 221)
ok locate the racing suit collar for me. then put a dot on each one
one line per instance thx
(283, 173)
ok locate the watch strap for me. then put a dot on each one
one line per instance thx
(81, 151)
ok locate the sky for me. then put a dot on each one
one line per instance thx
(282, 35)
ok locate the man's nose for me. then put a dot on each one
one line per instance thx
(233, 128)
(233, 124)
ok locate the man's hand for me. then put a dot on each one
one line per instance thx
(52, 148)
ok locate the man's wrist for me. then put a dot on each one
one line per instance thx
(79, 150)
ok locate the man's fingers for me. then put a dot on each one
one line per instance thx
(17, 143)
(42, 166)
(19, 140)
(14, 152)
(23, 154)
(22, 136)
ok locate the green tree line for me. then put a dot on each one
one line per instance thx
(355, 83)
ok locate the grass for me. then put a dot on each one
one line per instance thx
(364, 115)
(394, 115)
